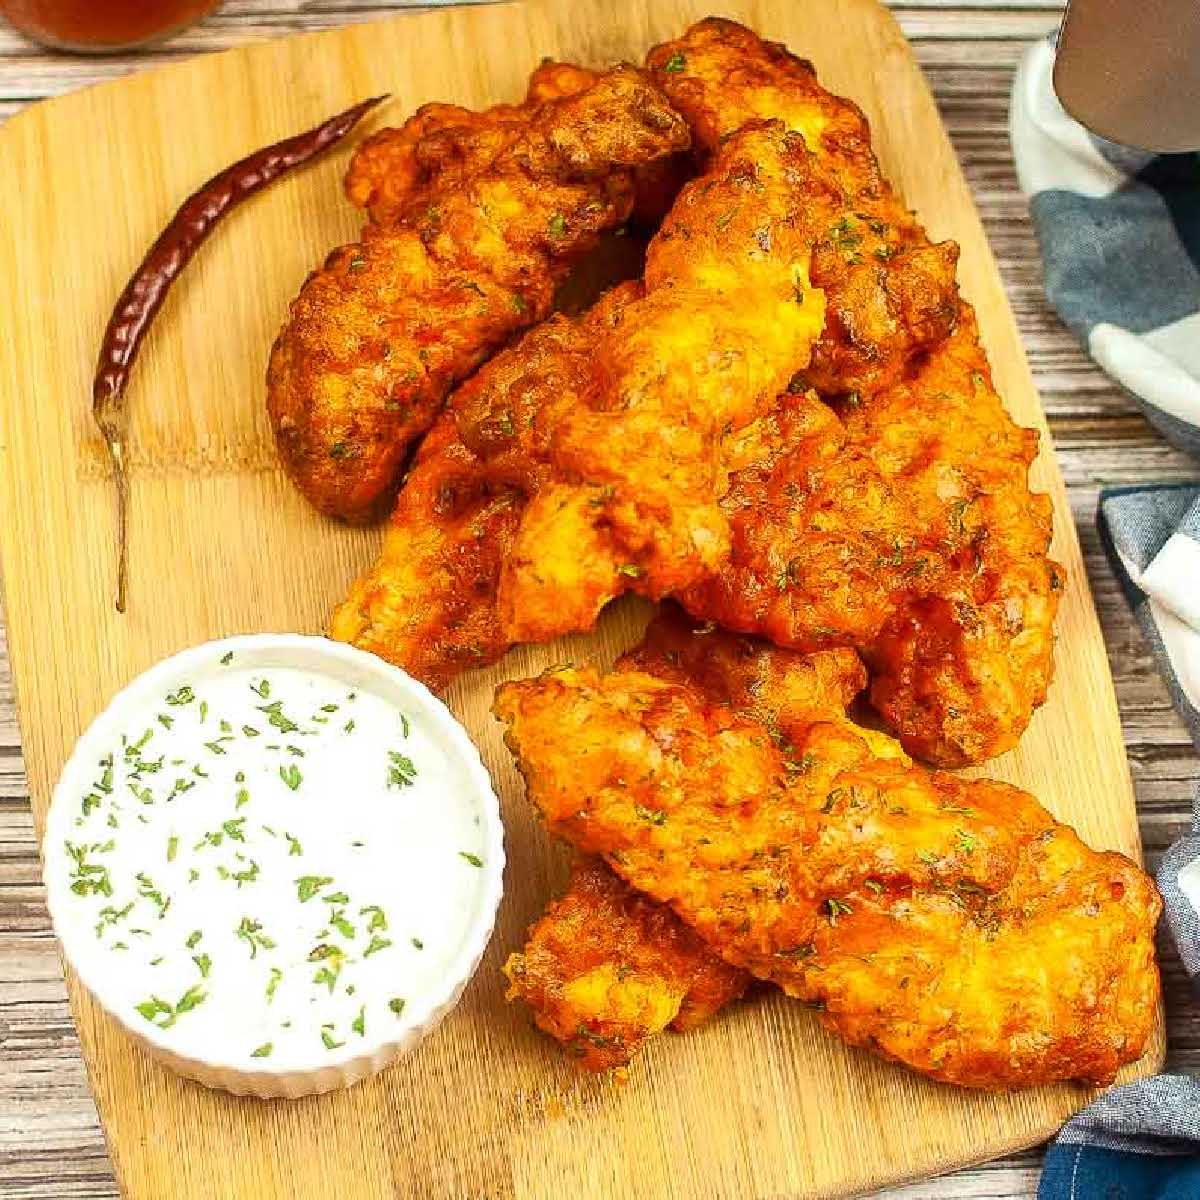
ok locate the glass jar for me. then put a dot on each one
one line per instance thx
(98, 26)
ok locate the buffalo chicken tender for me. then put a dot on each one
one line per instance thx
(903, 525)
(952, 925)
(890, 292)
(728, 315)
(429, 603)
(379, 336)
(606, 968)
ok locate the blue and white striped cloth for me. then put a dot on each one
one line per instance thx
(1119, 231)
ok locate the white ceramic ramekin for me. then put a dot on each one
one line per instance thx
(352, 668)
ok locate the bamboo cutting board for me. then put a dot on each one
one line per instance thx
(761, 1103)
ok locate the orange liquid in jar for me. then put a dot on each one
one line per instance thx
(99, 25)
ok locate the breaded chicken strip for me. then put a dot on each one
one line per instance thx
(637, 463)
(429, 603)
(635, 451)
(379, 336)
(394, 173)
(889, 291)
(605, 968)
(949, 924)
(444, 146)
(907, 530)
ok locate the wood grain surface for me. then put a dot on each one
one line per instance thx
(49, 1144)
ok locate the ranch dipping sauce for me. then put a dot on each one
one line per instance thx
(270, 866)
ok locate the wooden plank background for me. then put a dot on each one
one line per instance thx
(50, 1142)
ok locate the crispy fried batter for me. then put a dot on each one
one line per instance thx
(378, 337)
(780, 689)
(889, 291)
(907, 530)
(396, 172)
(605, 968)
(429, 601)
(638, 467)
(949, 924)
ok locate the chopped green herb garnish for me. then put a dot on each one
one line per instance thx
(476, 861)
(359, 1024)
(675, 63)
(204, 963)
(337, 918)
(557, 225)
(328, 1039)
(251, 933)
(294, 847)
(277, 717)
(226, 659)
(290, 774)
(163, 1014)
(193, 939)
(110, 916)
(396, 1005)
(376, 919)
(307, 886)
(172, 848)
(185, 695)
(402, 772)
(376, 943)
(273, 983)
(654, 815)
(263, 1051)
(148, 891)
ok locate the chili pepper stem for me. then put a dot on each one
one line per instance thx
(113, 439)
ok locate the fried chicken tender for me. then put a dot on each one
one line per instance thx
(948, 924)
(906, 529)
(889, 291)
(377, 338)
(429, 603)
(395, 172)
(727, 317)
(605, 968)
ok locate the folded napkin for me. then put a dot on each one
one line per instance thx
(1119, 231)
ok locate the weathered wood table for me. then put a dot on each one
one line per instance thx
(51, 1147)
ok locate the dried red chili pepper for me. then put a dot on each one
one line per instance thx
(166, 259)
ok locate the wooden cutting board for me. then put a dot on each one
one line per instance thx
(761, 1102)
